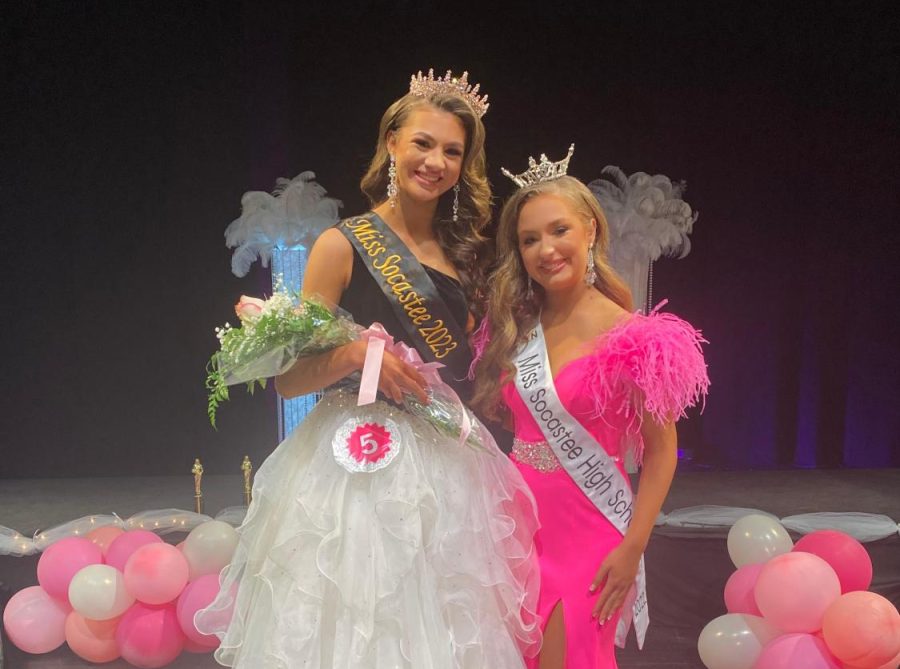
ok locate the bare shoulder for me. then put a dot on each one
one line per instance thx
(329, 267)
(334, 245)
(606, 315)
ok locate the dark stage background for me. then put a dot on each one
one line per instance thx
(130, 131)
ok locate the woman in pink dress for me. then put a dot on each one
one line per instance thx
(620, 381)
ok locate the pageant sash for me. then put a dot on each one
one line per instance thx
(425, 317)
(587, 463)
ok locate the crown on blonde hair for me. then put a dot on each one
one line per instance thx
(541, 171)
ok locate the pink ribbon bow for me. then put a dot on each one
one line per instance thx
(379, 341)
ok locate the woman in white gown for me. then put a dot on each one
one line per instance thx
(373, 541)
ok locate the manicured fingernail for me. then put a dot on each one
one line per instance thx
(591, 589)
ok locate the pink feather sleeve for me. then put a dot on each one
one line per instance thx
(648, 364)
(479, 341)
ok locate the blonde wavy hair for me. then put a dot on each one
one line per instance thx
(463, 242)
(510, 312)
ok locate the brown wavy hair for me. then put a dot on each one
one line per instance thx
(510, 313)
(463, 242)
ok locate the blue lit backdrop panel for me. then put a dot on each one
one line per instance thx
(290, 263)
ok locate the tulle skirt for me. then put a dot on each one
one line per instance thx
(425, 563)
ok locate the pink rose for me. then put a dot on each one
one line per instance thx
(248, 308)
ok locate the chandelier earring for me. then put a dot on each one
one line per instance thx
(456, 202)
(392, 181)
(529, 291)
(590, 276)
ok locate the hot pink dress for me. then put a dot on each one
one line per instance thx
(653, 363)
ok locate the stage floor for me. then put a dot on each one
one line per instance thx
(686, 569)
(28, 505)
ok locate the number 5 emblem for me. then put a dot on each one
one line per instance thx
(366, 446)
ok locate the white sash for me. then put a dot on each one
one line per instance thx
(586, 461)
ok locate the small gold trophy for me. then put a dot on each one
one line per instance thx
(247, 468)
(197, 471)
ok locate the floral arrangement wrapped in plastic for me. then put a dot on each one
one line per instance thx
(275, 332)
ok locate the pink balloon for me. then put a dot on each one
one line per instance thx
(194, 647)
(102, 537)
(62, 560)
(739, 596)
(197, 595)
(149, 636)
(893, 664)
(794, 589)
(92, 640)
(156, 573)
(127, 543)
(862, 629)
(848, 557)
(796, 651)
(36, 622)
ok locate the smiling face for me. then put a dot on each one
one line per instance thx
(428, 149)
(553, 241)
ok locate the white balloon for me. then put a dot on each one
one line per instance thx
(755, 538)
(734, 641)
(98, 592)
(209, 547)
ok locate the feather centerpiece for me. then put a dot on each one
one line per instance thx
(647, 219)
(295, 213)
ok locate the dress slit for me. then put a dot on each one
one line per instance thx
(560, 609)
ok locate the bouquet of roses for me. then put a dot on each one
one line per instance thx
(272, 335)
(276, 331)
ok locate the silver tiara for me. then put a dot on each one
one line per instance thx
(542, 171)
(427, 86)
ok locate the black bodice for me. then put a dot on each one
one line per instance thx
(367, 304)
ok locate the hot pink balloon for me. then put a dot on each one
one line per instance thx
(127, 543)
(149, 636)
(796, 651)
(739, 597)
(102, 537)
(197, 595)
(848, 557)
(793, 591)
(36, 622)
(156, 573)
(862, 629)
(62, 560)
(92, 640)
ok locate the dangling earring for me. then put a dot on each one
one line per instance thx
(590, 276)
(456, 203)
(392, 182)
(529, 292)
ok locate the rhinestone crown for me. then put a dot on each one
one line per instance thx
(425, 86)
(542, 171)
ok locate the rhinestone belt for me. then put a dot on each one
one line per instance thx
(536, 454)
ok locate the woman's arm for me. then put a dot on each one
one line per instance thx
(620, 566)
(327, 275)
(328, 272)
